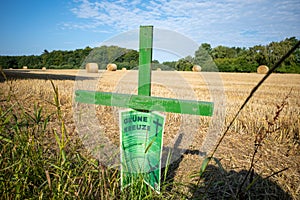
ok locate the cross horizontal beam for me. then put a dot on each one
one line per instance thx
(145, 103)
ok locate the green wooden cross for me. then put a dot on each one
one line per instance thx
(144, 101)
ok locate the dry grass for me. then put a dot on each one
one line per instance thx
(279, 150)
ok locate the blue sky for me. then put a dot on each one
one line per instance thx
(30, 26)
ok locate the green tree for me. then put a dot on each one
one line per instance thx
(207, 47)
(170, 64)
(203, 58)
(129, 59)
(190, 59)
(44, 57)
(224, 52)
(183, 65)
(106, 54)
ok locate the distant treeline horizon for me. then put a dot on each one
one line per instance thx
(219, 58)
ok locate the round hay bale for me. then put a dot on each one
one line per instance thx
(196, 68)
(158, 69)
(124, 69)
(25, 67)
(43, 68)
(91, 67)
(111, 67)
(262, 69)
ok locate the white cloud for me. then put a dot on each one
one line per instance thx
(86, 10)
(225, 22)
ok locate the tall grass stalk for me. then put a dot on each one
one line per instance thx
(207, 160)
(40, 160)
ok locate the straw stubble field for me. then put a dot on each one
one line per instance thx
(280, 137)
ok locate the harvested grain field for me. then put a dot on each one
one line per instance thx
(270, 120)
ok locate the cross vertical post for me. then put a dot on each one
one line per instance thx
(141, 130)
(145, 59)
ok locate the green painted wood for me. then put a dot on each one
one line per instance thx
(145, 103)
(145, 59)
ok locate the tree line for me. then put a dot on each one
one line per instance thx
(237, 59)
(54, 60)
(219, 58)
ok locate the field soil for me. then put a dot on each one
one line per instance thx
(270, 120)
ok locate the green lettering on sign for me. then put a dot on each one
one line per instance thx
(141, 147)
